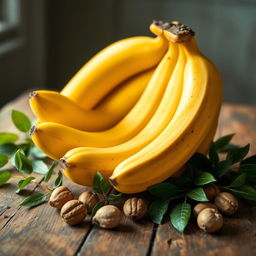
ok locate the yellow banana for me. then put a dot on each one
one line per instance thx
(54, 107)
(197, 112)
(205, 145)
(56, 139)
(113, 65)
(81, 164)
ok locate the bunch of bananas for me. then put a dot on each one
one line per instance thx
(136, 112)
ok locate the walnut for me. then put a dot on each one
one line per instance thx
(108, 216)
(90, 199)
(60, 196)
(73, 212)
(211, 191)
(226, 202)
(209, 220)
(201, 206)
(135, 208)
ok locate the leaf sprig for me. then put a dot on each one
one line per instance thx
(225, 166)
(27, 159)
(102, 187)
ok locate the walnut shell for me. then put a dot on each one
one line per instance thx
(226, 202)
(201, 206)
(73, 212)
(90, 199)
(211, 191)
(209, 220)
(135, 208)
(60, 196)
(108, 216)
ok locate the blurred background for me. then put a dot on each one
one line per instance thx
(43, 43)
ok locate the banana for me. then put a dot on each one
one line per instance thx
(113, 65)
(81, 164)
(56, 139)
(198, 110)
(52, 106)
(205, 145)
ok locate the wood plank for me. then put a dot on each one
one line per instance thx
(41, 231)
(130, 238)
(238, 234)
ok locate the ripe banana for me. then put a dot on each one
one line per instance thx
(81, 164)
(56, 139)
(198, 110)
(113, 65)
(52, 106)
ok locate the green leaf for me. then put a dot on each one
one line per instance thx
(4, 177)
(96, 208)
(114, 198)
(181, 182)
(249, 160)
(39, 166)
(200, 161)
(58, 181)
(8, 149)
(3, 160)
(213, 155)
(99, 184)
(7, 137)
(157, 210)
(250, 170)
(21, 162)
(163, 190)
(223, 141)
(23, 183)
(238, 154)
(36, 153)
(238, 181)
(197, 194)
(245, 191)
(221, 168)
(228, 147)
(180, 216)
(21, 121)
(24, 147)
(204, 178)
(34, 200)
(48, 175)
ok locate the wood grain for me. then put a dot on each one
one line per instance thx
(41, 231)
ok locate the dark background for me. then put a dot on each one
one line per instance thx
(59, 36)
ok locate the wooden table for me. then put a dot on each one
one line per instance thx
(40, 230)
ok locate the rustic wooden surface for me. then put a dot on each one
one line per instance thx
(40, 230)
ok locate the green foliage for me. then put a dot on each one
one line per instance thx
(34, 200)
(163, 190)
(21, 121)
(4, 177)
(23, 183)
(114, 198)
(180, 215)
(99, 184)
(197, 194)
(157, 210)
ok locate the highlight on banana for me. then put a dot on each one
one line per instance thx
(136, 112)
